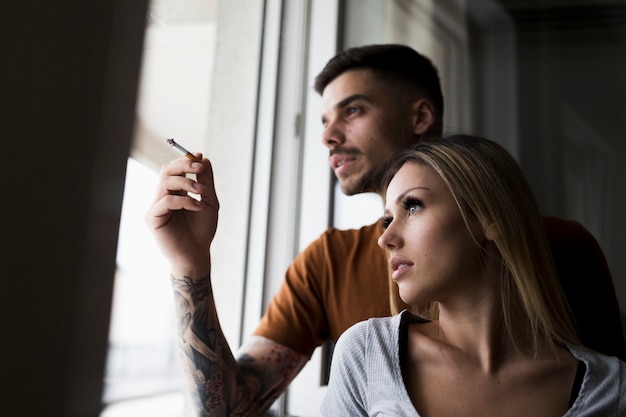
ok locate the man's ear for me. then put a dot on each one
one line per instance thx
(423, 116)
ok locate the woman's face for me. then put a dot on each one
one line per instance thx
(431, 252)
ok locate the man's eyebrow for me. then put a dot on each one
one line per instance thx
(354, 97)
(347, 101)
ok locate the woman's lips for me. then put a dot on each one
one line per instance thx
(398, 267)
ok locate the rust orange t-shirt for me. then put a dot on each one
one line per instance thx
(341, 278)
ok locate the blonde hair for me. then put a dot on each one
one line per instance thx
(488, 186)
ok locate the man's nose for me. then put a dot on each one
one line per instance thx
(333, 136)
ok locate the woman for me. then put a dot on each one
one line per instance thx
(493, 336)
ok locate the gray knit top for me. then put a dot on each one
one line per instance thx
(366, 378)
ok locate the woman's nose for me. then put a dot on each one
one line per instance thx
(388, 239)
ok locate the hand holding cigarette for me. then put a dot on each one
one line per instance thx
(183, 226)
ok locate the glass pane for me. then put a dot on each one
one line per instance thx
(143, 368)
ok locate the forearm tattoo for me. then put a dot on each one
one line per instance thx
(207, 361)
(219, 385)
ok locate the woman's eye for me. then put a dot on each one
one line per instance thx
(412, 205)
(386, 222)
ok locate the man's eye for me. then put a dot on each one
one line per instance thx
(352, 110)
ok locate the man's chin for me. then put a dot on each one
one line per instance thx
(353, 189)
(348, 188)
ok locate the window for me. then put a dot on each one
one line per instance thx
(143, 353)
(198, 84)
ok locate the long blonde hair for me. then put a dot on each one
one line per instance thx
(488, 186)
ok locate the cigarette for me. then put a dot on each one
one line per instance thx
(184, 151)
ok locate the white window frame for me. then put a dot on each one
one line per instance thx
(291, 191)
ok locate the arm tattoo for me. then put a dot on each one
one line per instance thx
(219, 385)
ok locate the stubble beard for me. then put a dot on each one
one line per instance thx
(368, 182)
(371, 181)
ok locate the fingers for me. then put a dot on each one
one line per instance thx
(174, 180)
(160, 212)
(174, 186)
(170, 203)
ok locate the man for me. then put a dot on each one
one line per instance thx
(376, 100)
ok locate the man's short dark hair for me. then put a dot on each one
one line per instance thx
(394, 60)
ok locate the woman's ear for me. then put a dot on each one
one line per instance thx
(491, 232)
(423, 116)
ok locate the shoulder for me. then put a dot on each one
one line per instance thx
(372, 334)
(339, 244)
(361, 354)
(379, 333)
(345, 238)
(599, 363)
(604, 381)
(335, 246)
(360, 333)
(567, 232)
(575, 250)
(351, 235)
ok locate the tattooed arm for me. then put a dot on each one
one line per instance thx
(184, 229)
(219, 385)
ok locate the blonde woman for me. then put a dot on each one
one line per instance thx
(491, 333)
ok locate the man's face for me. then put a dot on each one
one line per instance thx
(365, 122)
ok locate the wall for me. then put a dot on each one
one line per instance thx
(68, 82)
(571, 91)
(564, 66)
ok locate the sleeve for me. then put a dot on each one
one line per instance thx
(296, 316)
(588, 285)
(346, 394)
